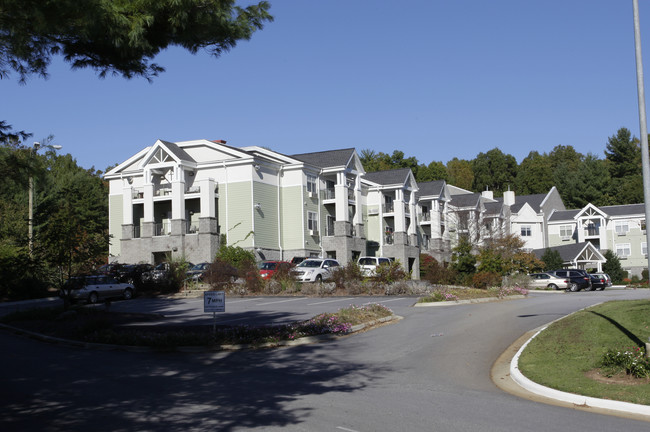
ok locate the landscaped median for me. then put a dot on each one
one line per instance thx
(456, 295)
(598, 352)
(98, 328)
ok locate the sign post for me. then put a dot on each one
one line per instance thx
(214, 301)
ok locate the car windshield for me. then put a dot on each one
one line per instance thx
(310, 263)
(268, 266)
(367, 261)
(201, 266)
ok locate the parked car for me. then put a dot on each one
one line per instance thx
(314, 269)
(547, 280)
(368, 265)
(297, 260)
(269, 268)
(161, 273)
(578, 279)
(132, 273)
(600, 281)
(196, 272)
(94, 288)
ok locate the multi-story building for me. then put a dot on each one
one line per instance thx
(619, 228)
(185, 199)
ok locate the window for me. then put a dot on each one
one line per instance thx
(312, 221)
(311, 183)
(621, 227)
(642, 224)
(526, 231)
(566, 231)
(644, 248)
(623, 250)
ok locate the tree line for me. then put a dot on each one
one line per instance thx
(580, 179)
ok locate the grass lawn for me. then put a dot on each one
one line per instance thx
(568, 355)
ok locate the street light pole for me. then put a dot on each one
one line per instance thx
(30, 222)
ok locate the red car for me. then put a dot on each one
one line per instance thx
(269, 268)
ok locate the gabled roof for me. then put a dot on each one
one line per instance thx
(327, 159)
(563, 215)
(431, 188)
(573, 252)
(493, 208)
(466, 200)
(534, 201)
(388, 177)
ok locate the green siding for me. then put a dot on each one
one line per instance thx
(372, 228)
(115, 221)
(266, 218)
(239, 219)
(292, 214)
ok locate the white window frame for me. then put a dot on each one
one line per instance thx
(312, 183)
(623, 250)
(312, 221)
(644, 249)
(566, 231)
(621, 227)
(526, 230)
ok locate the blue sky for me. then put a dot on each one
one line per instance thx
(435, 79)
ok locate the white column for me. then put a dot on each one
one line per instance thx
(127, 205)
(400, 214)
(178, 193)
(414, 215)
(207, 198)
(358, 217)
(341, 195)
(148, 198)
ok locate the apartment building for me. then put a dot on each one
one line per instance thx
(185, 199)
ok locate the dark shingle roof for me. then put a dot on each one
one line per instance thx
(388, 177)
(431, 188)
(465, 200)
(563, 215)
(622, 210)
(567, 252)
(326, 159)
(493, 208)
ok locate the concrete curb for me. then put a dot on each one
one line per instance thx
(472, 301)
(195, 349)
(578, 400)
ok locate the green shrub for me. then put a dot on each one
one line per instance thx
(389, 273)
(631, 361)
(343, 276)
(434, 272)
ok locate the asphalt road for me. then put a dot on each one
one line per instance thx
(428, 372)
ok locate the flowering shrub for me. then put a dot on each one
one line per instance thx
(513, 290)
(632, 360)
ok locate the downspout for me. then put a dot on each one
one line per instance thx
(280, 214)
(225, 171)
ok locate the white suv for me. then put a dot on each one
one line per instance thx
(315, 269)
(368, 265)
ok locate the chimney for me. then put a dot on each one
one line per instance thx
(509, 197)
(487, 194)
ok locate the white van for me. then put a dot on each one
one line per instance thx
(368, 265)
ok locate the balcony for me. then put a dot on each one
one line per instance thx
(162, 229)
(137, 231)
(425, 217)
(190, 228)
(193, 190)
(137, 193)
(389, 238)
(163, 191)
(330, 194)
(388, 207)
(592, 232)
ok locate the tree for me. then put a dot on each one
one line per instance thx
(433, 171)
(552, 259)
(460, 173)
(613, 267)
(494, 171)
(623, 154)
(534, 174)
(119, 37)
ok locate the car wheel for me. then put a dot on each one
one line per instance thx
(93, 297)
(319, 278)
(128, 294)
(573, 287)
(552, 286)
(600, 289)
